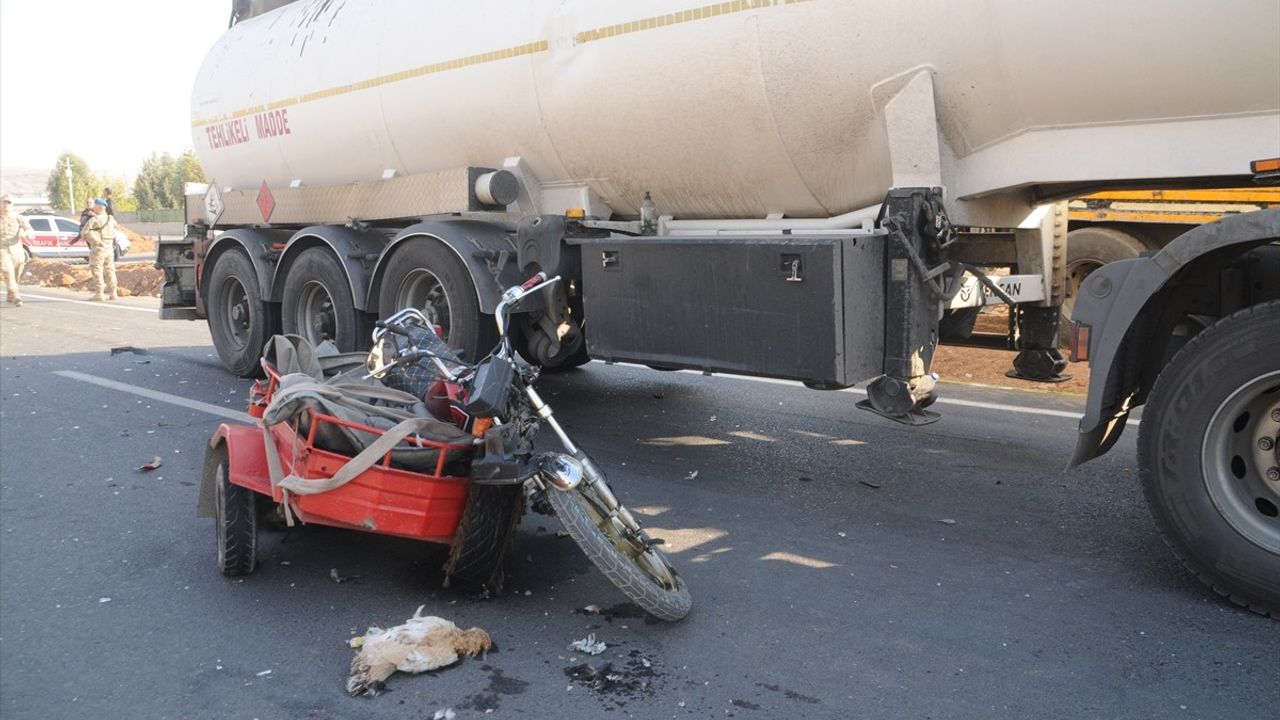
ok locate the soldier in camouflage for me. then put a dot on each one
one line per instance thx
(100, 235)
(13, 258)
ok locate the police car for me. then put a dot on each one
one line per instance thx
(52, 236)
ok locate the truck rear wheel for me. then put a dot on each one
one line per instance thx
(426, 275)
(1088, 249)
(1209, 459)
(239, 320)
(317, 302)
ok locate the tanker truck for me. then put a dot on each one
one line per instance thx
(814, 190)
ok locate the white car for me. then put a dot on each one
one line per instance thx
(52, 236)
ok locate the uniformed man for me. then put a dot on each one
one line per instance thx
(100, 234)
(13, 258)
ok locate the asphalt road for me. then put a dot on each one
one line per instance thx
(842, 566)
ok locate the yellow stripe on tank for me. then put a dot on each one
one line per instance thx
(704, 12)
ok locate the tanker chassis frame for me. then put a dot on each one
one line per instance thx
(831, 305)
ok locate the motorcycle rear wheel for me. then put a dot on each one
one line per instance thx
(639, 569)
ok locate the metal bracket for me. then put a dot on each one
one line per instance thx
(918, 278)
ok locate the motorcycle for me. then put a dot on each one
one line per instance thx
(416, 442)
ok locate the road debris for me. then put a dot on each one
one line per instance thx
(871, 484)
(264, 673)
(422, 643)
(338, 578)
(591, 609)
(148, 467)
(589, 645)
(947, 521)
(444, 714)
(104, 600)
(691, 476)
(129, 349)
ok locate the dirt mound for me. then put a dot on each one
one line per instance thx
(139, 244)
(134, 278)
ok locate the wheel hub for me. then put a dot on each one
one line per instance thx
(316, 314)
(423, 290)
(1241, 460)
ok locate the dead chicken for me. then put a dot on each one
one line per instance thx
(422, 643)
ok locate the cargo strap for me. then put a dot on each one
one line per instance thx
(291, 400)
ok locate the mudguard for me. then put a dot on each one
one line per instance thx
(1116, 300)
(247, 460)
(257, 244)
(355, 249)
(486, 250)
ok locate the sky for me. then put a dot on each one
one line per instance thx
(109, 81)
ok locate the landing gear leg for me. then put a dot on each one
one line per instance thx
(1035, 335)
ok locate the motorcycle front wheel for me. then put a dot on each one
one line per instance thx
(636, 567)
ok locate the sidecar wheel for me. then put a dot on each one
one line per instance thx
(485, 534)
(640, 570)
(236, 518)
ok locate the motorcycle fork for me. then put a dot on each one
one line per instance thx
(591, 472)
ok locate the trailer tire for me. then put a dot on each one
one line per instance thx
(1088, 249)
(235, 517)
(1207, 442)
(317, 304)
(425, 274)
(240, 321)
(484, 535)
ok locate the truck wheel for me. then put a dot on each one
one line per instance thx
(239, 321)
(479, 547)
(236, 518)
(426, 275)
(1088, 249)
(316, 303)
(1209, 461)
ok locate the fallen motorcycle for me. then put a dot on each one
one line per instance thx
(410, 440)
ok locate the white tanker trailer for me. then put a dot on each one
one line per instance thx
(786, 188)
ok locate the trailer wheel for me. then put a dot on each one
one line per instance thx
(1088, 249)
(1210, 463)
(317, 302)
(236, 518)
(426, 275)
(239, 321)
(484, 535)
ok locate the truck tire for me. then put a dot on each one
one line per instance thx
(316, 302)
(1088, 249)
(426, 275)
(235, 516)
(1208, 456)
(485, 534)
(239, 320)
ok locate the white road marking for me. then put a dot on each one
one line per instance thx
(158, 396)
(92, 303)
(1002, 407)
(244, 417)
